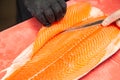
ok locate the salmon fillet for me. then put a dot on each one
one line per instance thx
(67, 55)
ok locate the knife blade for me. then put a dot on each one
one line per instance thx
(86, 25)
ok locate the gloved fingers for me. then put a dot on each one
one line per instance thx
(112, 18)
(57, 11)
(49, 15)
(63, 5)
(42, 19)
(47, 11)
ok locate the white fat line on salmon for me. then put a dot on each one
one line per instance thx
(19, 61)
(51, 63)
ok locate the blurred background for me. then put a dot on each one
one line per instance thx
(7, 14)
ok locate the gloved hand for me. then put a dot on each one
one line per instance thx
(114, 17)
(47, 11)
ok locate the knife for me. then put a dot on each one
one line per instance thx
(86, 25)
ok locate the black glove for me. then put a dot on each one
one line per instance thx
(47, 11)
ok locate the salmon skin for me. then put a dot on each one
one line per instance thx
(59, 55)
